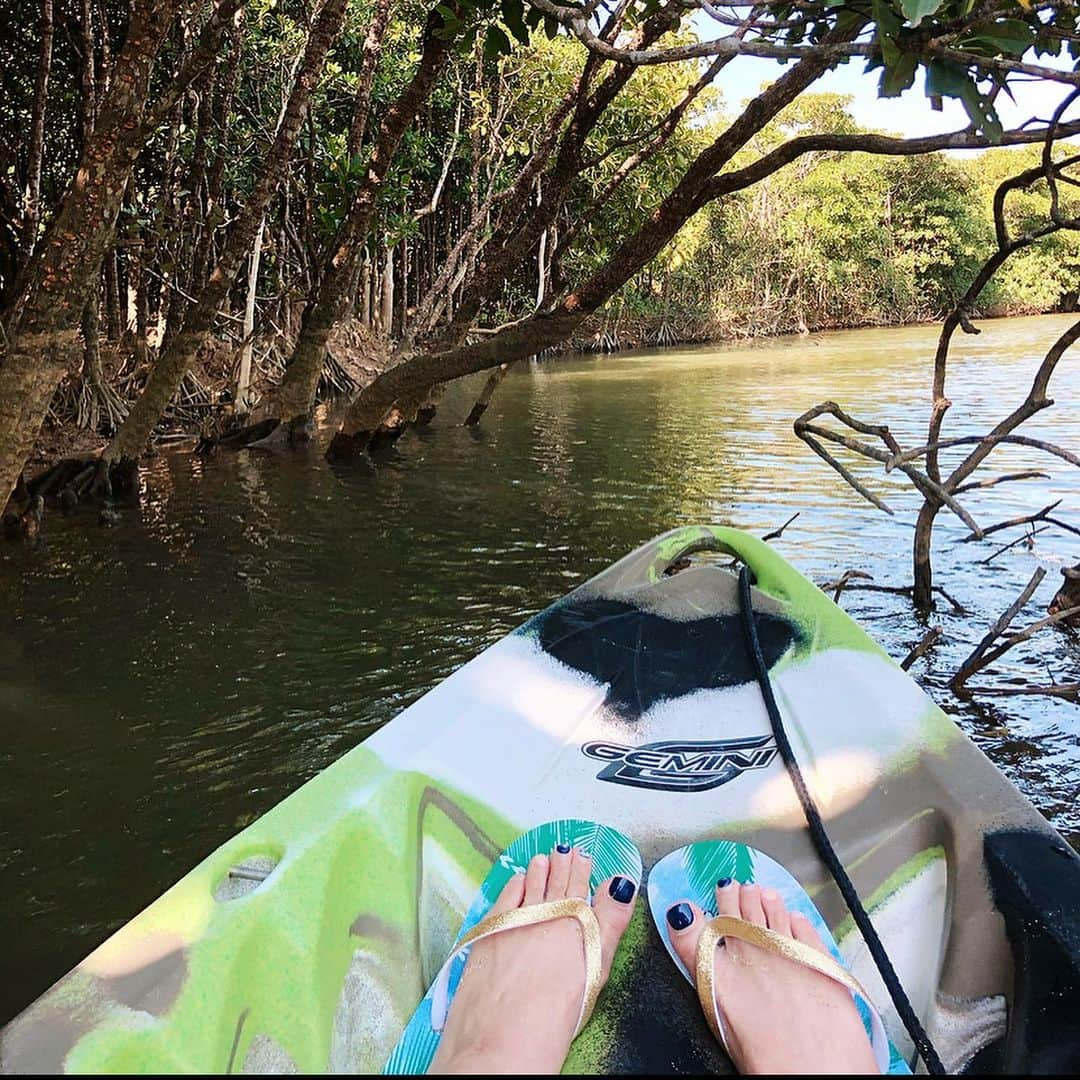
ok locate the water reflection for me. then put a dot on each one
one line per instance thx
(165, 682)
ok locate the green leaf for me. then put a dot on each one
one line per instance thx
(888, 22)
(944, 78)
(1006, 35)
(496, 43)
(450, 22)
(513, 13)
(898, 77)
(982, 112)
(917, 10)
(890, 51)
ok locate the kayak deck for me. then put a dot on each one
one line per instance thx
(306, 941)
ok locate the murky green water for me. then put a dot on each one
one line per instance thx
(165, 682)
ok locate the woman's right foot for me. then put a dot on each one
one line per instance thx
(779, 1016)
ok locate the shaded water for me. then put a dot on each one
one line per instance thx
(165, 682)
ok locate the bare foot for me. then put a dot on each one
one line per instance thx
(519, 998)
(779, 1016)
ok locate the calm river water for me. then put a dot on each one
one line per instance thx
(165, 682)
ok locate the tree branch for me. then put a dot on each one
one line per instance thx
(926, 643)
(978, 658)
(1027, 519)
(885, 145)
(202, 56)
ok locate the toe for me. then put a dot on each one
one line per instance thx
(580, 869)
(536, 879)
(685, 923)
(777, 916)
(802, 929)
(513, 892)
(559, 874)
(613, 906)
(727, 898)
(750, 904)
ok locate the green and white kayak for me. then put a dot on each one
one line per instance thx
(307, 941)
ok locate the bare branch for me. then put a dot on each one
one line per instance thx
(978, 658)
(976, 485)
(777, 533)
(577, 21)
(885, 145)
(1027, 519)
(1027, 538)
(840, 584)
(1035, 401)
(1049, 168)
(921, 481)
(994, 440)
(895, 590)
(926, 643)
(1068, 691)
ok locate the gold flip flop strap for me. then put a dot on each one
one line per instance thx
(728, 926)
(572, 907)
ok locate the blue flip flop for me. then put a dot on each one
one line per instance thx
(610, 853)
(691, 874)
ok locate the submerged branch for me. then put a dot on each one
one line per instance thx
(1027, 519)
(986, 652)
(925, 644)
(1028, 537)
(777, 533)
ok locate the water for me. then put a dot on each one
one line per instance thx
(165, 682)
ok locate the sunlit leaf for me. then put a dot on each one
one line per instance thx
(917, 10)
(1007, 35)
(898, 77)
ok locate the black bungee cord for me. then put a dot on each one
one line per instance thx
(821, 840)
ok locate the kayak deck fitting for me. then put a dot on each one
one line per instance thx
(307, 940)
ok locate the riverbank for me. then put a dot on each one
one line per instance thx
(206, 407)
(616, 331)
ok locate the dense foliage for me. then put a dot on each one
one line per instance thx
(469, 182)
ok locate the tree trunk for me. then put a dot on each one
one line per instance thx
(43, 339)
(194, 220)
(142, 305)
(488, 392)
(32, 210)
(541, 270)
(224, 92)
(514, 236)
(365, 290)
(92, 378)
(386, 309)
(415, 375)
(543, 330)
(923, 592)
(371, 50)
(333, 298)
(112, 298)
(175, 360)
(243, 379)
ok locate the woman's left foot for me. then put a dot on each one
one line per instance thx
(782, 1018)
(519, 999)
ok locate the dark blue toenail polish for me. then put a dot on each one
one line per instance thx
(622, 889)
(563, 849)
(723, 883)
(680, 916)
